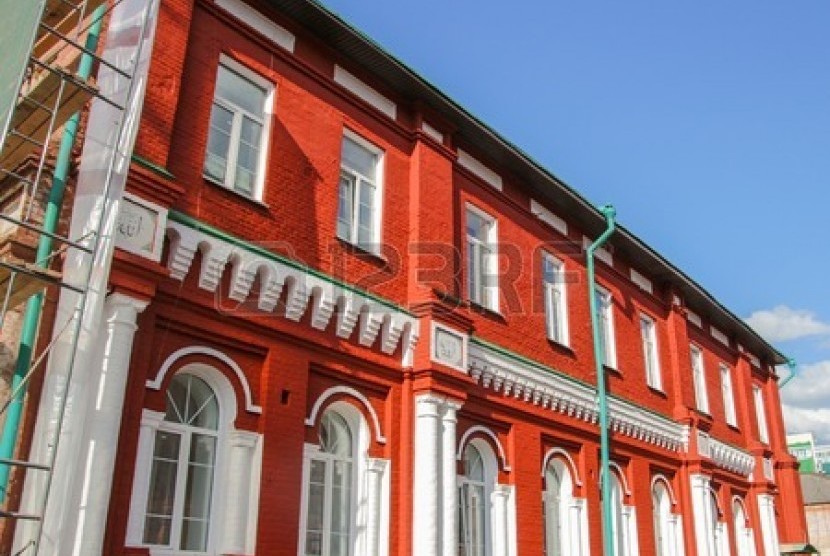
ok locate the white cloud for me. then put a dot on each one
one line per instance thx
(782, 323)
(806, 401)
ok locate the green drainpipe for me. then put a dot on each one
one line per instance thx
(793, 366)
(602, 395)
(34, 305)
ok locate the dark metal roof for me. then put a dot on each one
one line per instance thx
(397, 77)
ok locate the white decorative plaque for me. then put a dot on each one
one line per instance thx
(449, 347)
(140, 227)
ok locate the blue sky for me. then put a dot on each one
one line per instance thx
(706, 123)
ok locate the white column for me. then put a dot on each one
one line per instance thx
(449, 479)
(150, 421)
(769, 529)
(108, 384)
(572, 532)
(425, 498)
(374, 486)
(500, 520)
(702, 515)
(237, 502)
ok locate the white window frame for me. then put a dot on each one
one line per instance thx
(233, 518)
(556, 301)
(605, 316)
(624, 519)
(668, 525)
(265, 120)
(358, 182)
(699, 379)
(362, 522)
(728, 392)
(760, 413)
(570, 511)
(485, 290)
(651, 354)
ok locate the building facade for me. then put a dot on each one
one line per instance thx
(347, 318)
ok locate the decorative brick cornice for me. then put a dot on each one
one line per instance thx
(305, 289)
(545, 387)
(731, 458)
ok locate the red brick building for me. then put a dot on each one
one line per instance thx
(348, 318)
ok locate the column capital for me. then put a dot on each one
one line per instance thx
(376, 465)
(243, 439)
(428, 403)
(123, 309)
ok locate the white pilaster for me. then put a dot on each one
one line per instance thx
(769, 528)
(427, 474)
(374, 487)
(500, 519)
(150, 422)
(449, 473)
(702, 515)
(108, 383)
(241, 450)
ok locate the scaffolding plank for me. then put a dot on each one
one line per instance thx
(29, 280)
(31, 120)
(65, 21)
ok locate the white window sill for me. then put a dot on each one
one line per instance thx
(217, 183)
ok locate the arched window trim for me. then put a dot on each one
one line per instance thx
(221, 537)
(671, 524)
(491, 436)
(320, 404)
(573, 526)
(490, 480)
(563, 454)
(660, 478)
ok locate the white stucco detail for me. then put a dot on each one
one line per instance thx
(560, 453)
(489, 434)
(731, 458)
(478, 168)
(364, 92)
(547, 388)
(275, 33)
(358, 317)
(349, 391)
(155, 383)
(548, 217)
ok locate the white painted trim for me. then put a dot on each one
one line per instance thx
(548, 217)
(333, 391)
(489, 434)
(621, 477)
(694, 318)
(155, 384)
(479, 169)
(364, 92)
(641, 281)
(261, 23)
(552, 389)
(660, 478)
(378, 183)
(556, 452)
(602, 253)
(719, 335)
(491, 269)
(432, 133)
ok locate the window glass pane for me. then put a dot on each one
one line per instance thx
(335, 436)
(359, 158)
(157, 530)
(366, 214)
(234, 88)
(345, 204)
(219, 137)
(194, 534)
(473, 463)
(161, 496)
(202, 407)
(476, 226)
(176, 400)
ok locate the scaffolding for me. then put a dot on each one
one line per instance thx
(40, 139)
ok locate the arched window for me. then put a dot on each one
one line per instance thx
(744, 541)
(474, 506)
(718, 531)
(663, 522)
(180, 494)
(619, 537)
(331, 481)
(561, 532)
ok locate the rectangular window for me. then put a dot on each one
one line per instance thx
(760, 414)
(358, 203)
(699, 380)
(605, 318)
(648, 332)
(482, 281)
(238, 133)
(556, 308)
(728, 396)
